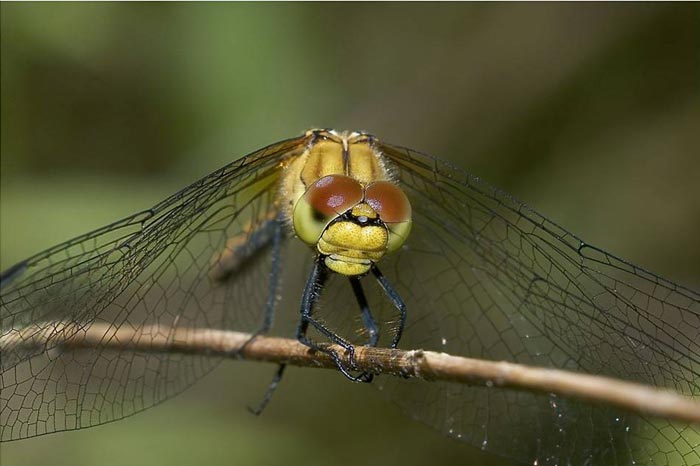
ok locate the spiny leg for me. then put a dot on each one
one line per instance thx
(269, 314)
(312, 290)
(240, 249)
(272, 231)
(244, 246)
(315, 281)
(270, 390)
(313, 287)
(365, 312)
(368, 320)
(396, 301)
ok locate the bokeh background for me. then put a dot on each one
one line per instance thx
(587, 112)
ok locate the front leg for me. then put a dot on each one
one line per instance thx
(313, 288)
(396, 301)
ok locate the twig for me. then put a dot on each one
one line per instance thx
(427, 365)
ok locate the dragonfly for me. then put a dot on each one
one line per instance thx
(359, 242)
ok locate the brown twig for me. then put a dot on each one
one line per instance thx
(427, 365)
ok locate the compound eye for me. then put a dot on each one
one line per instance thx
(333, 194)
(393, 208)
(323, 201)
(389, 202)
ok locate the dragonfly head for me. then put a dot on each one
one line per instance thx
(351, 225)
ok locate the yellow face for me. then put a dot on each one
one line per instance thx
(352, 216)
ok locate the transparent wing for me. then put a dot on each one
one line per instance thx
(151, 269)
(485, 276)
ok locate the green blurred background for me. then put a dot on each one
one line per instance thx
(587, 112)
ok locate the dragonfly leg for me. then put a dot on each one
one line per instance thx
(396, 300)
(240, 248)
(314, 285)
(269, 392)
(368, 319)
(269, 314)
(13, 272)
(273, 286)
(276, 237)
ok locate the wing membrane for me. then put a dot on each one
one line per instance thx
(482, 275)
(152, 268)
(504, 283)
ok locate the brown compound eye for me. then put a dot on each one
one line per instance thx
(333, 194)
(389, 202)
(323, 201)
(393, 208)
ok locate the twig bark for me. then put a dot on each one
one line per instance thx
(427, 365)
